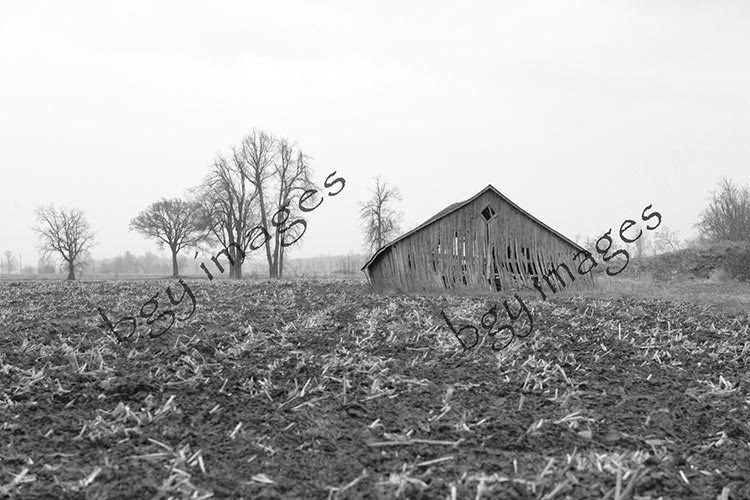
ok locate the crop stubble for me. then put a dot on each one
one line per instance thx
(322, 389)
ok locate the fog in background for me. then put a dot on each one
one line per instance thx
(582, 113)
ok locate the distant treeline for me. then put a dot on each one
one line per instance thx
(153, 264)
(345, 265)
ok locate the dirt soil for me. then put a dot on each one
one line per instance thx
(323, 389)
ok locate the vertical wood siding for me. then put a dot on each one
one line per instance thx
(463, 250)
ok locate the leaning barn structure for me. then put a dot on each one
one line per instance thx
(484, 243)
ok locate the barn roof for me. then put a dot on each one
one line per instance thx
(455, 206)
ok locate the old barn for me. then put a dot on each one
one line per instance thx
(484, 243)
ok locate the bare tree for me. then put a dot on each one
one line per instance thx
(727, 217)
(280, 175)
(10, 261)
(666, 240)
(380, 220)
(227, 199)
(257, 155)
(292, 176)
(176, 223)
(66, 232)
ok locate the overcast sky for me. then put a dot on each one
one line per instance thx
(582, 113)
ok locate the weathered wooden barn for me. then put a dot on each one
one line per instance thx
(484, 243)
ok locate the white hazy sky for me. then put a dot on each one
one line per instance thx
(581, 112)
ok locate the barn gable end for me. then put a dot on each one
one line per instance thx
(485, 243)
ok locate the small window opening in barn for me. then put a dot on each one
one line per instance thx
(408, 259)
(488, 213)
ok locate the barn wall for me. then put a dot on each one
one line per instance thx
(457, 252)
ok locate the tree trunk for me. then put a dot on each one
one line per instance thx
(275, 271)
(264, 223)
(235, 266)
(238, 260)
(235, 270)
(275, 264)
(379, 240)
(175, 271)
(235, 261)
(71, 271)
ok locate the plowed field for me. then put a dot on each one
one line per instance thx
(323, 389)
